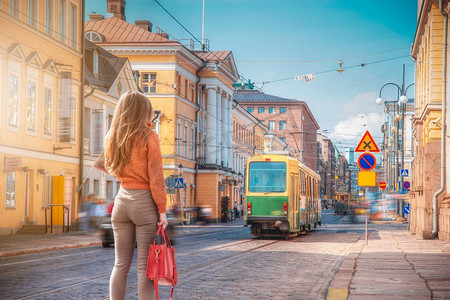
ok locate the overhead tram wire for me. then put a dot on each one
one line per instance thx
(334, 70)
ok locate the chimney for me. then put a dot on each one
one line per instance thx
(116, 8)
(95, 17)
(146, 25)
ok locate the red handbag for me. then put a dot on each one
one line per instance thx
(161, 267)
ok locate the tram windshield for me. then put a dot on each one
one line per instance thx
(267, 177)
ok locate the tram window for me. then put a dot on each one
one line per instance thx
(267, 177)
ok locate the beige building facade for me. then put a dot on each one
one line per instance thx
(40, 92)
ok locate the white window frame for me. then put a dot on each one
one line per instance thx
(178, 138)
(95, 64)
(11, 189)
(34, 104)
(73, 25)
(13, 10)
(13, 126)
(147, 77)
(186, 140)
(282, 125)
(32, 13)
(62, 21)
(271, 125)
(51, 104)
(193, 142)
(73, 117)
(49, 17)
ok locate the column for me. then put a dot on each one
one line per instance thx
(218, 127)
(229, 130)
(211, 141)
(225, 131)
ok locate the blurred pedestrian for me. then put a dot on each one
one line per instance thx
(133, 155)
(83, 216)
(236, 212)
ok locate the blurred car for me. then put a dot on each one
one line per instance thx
(107, 234)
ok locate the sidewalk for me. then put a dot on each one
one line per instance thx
(17, 244)
(394, 265)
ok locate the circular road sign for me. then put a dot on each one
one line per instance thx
(406, 185)
(382, 184)
(367, 161)
(406, 210)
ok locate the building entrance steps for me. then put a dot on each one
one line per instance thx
(394, 265)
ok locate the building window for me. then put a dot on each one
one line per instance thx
(32, 13)
(49, 17)
(48, 111)
(261, 110)
(95, 63)
(282, 125)
(73, 118)
(192, 143)
(62, 21)
(93, 36)
(31, 106)
(10, 190)
(73, 26)
(98, 131)
(14, 8)
(178, 139)
(271, 125)
(250, 109)
(282, 110)
(272, 110)
(186, 140)
(283, 139)
(13, 101)
(148, 82)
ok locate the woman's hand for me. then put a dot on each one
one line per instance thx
(163, 220)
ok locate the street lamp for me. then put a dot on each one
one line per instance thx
(399, 119)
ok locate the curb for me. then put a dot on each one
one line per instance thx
(340, 285)
(36, 250)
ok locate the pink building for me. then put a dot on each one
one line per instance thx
(290, 119)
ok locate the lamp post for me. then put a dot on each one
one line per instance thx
(399, 122)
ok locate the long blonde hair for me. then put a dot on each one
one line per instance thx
(132, 113)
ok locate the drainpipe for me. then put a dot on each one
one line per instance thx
(434, 233)
(81, 134)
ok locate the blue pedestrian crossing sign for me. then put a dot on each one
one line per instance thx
(404, 173)
(179, 183)
(406, 210)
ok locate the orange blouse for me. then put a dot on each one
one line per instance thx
(144, 171)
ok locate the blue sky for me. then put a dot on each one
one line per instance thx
(278, 39)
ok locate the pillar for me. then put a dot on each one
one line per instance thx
(211, 141)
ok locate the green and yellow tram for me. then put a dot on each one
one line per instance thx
(282, 196)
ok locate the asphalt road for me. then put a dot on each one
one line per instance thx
(226, 264)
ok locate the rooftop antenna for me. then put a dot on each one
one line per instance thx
(203, 27)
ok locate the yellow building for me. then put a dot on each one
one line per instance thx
(193, 92)
(41, 79)
(427, 50)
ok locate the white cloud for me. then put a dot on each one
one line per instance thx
(350, 131)
(362, 103)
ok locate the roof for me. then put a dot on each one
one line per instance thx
(109, 65)
(255, 96)
(115, 30)
(250, 96)
(213, 55)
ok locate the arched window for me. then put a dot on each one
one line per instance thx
(93, 36)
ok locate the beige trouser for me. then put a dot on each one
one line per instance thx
(134, 217)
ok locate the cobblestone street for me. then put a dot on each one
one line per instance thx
(213, 264)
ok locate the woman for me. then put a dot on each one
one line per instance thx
(133, 155)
